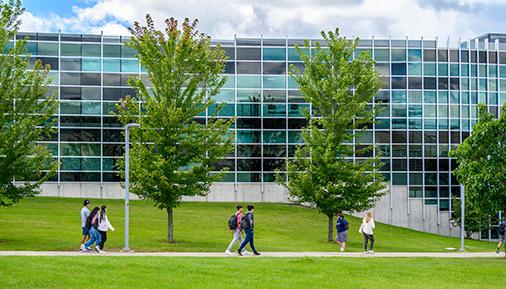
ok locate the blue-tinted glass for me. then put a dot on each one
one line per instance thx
(274, 54)
(292, 83)
(454, 70)
(274, 110)
(274, 81)
(381, 55)
(112, 65)
(464, 70)
(429, 69)
(398, 54)
(31, 48)
(248, 82)
(414, 55)
(415, 69)
(274, 136)
(442, 69)
(90, 64)
(398, 96)
(398, 68)
(129, 65)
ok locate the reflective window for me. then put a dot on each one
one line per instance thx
(112, 50)
(70, 49)
(91, 50)
(248, 67)
(50, 49)
(274, 54)
(248, 53)
(91, 64)
(248, 82)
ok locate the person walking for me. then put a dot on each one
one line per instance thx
(234, 224)
(103, 226)
(85, 212)
(92, 225)
(367, 230)
(342, 231)
(248, 225)
(501, 231)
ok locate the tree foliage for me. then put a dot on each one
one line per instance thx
(481, 160)
(323, 172)
(25, 114)
(474, 220)
(173, 154)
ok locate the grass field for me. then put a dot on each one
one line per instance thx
(159, 272)
(54, 224)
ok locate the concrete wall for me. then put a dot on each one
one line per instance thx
(394, 208)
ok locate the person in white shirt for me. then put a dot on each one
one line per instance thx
(85, 212)
(103, 226)
(367, 230)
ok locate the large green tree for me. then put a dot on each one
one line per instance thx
(25, 114)
(481, 160)
(474, 219)
(323, 172)
(173, 154)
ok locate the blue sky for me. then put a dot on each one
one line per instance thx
(277, 18)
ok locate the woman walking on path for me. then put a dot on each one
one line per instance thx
(367, 230)
(92, 225)
(342, 231)
(103, 226)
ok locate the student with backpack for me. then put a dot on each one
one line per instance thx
(92, 225)
(342, 231)
(248, 225)
(502, 229)
(85, 212)
(234, 225)
(103, 226)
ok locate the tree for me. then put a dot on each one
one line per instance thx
(475, 220)
(173, 154)
(481, 160)
(323, 172)
(25, 114)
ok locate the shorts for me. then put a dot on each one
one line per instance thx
(501, 238)
(85, 231)
(342, 237)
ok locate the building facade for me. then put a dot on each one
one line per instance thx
(429, 94)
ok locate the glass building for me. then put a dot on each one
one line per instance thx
(429, 94)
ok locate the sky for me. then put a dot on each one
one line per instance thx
(222, 19)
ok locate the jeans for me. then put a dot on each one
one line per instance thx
(95, 238)
(103, 239)
(237, 238)
(248, 239)
(368, 238)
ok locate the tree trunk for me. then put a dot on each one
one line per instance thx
(170, 225)
(330, 236)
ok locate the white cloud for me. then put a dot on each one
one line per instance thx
(277, 18)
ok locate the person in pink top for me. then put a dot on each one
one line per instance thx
(235, 226)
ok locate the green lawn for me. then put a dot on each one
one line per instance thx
(54, 224)
(160, 272)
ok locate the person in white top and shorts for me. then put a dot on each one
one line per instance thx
(367, 230)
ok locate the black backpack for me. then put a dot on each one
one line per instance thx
(245, 221)
(232, 222)
(502, 228)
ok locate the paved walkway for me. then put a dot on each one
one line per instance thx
(264, 254)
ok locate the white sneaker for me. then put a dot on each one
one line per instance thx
(371, 252)
(246, 252)
(365, 252)
(228, 252)
(342, 249)
(81, 248)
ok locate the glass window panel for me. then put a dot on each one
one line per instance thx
(70, 49)
(248, 82)
(128, 52)
(274, 68)
(225, 96)
(248, 95)
(248, 53)
(112, 65)
(91, 50)
(274, 110)
(248, 109)
(129, 65)
(398, 54)
(274, 81)
(248, 67)
(112, 50)
(274, 54)
(274, 136)
(381, 55)
(70, 64)
(415, 69)
(442, 69)
(248, 136)
(414, 55)
(293, 55)
(90, 64)
(44, 48)
(398, 68)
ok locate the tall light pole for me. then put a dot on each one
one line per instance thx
(462, 216)
(127, 173)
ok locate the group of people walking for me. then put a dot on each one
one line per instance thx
(95, 225)
(366, 229)
(239, 223)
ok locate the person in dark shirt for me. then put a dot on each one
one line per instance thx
(248, 225)
(342, 231)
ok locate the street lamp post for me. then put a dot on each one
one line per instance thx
(127, 173)
(462, 216)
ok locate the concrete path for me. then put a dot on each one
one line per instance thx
(264, 254)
